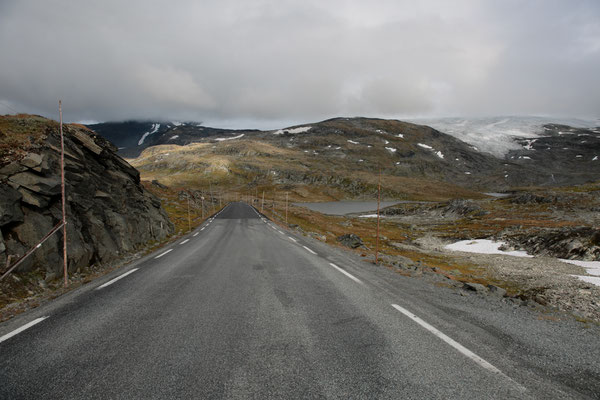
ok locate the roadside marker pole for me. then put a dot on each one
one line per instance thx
(189, 215)
(286, 206)
(378, 202)
(62, 189)
(262, 206)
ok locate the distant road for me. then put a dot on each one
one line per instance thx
(240, 308)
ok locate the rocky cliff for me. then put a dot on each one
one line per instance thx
(109, 213)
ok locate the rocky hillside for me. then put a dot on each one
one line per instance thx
(109, 213)
(559, 155)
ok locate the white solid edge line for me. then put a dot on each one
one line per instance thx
(355, 279)
(116, 279)
(184, 242)
(292, 239)
(21, 329)
(162, 254)
(195, 234)
(309, 249)
(462, 349)
(203, 229)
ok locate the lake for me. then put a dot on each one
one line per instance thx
(345, 207)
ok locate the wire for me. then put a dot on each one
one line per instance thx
(9, 107)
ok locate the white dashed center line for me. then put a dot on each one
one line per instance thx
(195, 234)
(116, 279)
(292, 239)
(162, 254)
(21, 329)
(184, 242)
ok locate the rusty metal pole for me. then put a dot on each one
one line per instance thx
(286, 207)
(62, 189)
(189, 215)
(378, 202)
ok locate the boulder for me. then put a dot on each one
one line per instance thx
(32, 161)
(474, 287)
(350, 240)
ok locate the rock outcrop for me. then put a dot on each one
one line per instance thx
(109, 213)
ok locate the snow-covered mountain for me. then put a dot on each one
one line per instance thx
(496, 135)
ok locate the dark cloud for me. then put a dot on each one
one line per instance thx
(269, 61)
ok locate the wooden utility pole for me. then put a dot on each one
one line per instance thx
(378, 203)
(62, 191)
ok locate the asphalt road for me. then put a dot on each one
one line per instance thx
(240, 308)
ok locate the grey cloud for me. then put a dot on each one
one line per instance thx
(266, 61)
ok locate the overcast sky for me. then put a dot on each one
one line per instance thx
(260, 63)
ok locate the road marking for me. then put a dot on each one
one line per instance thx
(292, 239)
(203, 229)
(355, 279)
(162, 254)
(280, 232)
(21, 329)
(449, 340)
(307, 249)
(116, 279)
(195, 234)
(184, 242)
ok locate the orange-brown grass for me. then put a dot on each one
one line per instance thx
(330, 227)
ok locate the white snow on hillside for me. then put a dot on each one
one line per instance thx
(439, 154)
(229, 138)
(496, 135)
(353, 142)
(391, 149)
(301, 129)
(425, 146)
(173, 137)
(155, 128)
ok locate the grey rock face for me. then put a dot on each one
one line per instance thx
(9, 205)
(109, 213)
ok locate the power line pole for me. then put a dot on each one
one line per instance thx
(378, 203)
(62, 190)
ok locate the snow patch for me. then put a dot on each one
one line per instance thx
(352, 141)
(391, 149)
(439, 154)
(173, 137)
(595, 158)
(425, 146)
(400, 136)
(229, 138)
(301, 129)
(176, 123)
(145, 135)
(484, 246)
(529, 144)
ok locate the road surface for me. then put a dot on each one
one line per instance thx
(241, 308)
